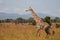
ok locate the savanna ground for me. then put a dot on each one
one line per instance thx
(11, 31)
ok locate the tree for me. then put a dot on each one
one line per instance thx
(57, 19)
(18, 20)
(31, 21)
(8, 20)
(47, 19)
(0, 21)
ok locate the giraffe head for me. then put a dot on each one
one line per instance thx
(29, 9)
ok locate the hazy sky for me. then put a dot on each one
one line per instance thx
(51, 7)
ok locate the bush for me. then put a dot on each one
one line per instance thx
(34, 22)
(47, 19)
(57, 25)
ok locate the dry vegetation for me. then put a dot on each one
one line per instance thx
(11, 31)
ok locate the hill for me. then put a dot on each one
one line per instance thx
(16, 15)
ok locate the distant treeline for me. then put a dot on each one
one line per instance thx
(30, 20)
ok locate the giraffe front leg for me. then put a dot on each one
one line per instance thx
(38, 34)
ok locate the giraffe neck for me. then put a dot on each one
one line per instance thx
(34, 14)
(36, 18)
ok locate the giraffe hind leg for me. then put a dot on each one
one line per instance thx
(47, 30)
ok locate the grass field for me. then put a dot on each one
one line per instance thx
(9, 31)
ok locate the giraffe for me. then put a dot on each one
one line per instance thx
(40, 24)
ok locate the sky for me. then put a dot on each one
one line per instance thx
(50, 7)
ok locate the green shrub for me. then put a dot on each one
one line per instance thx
(58, 25)
(34, 22)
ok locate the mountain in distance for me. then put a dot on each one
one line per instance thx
(12, 15)
(15, 15)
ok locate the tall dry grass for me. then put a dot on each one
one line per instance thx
(11, 31)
